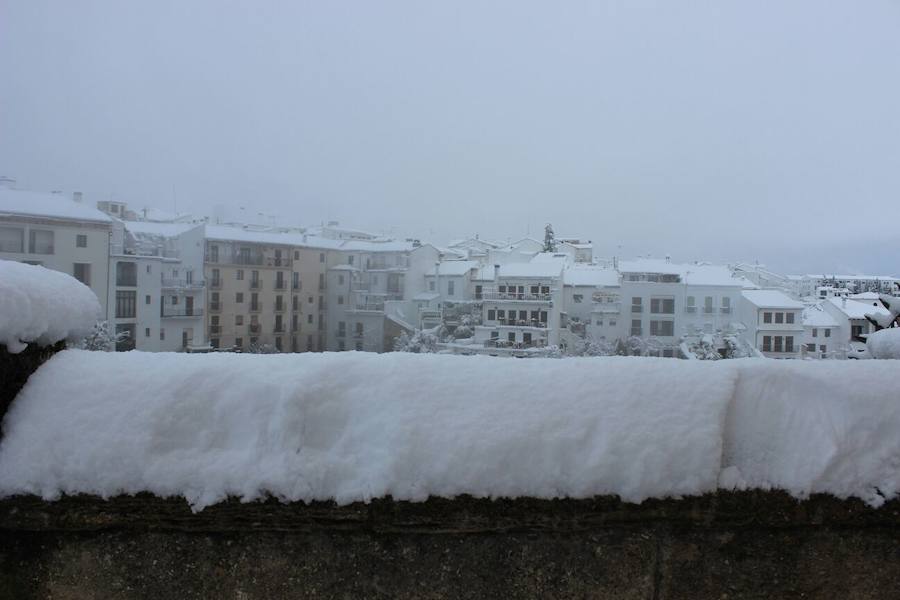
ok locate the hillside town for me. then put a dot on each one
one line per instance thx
(179, 283)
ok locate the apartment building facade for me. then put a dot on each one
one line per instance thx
(774, 322)
(58, 231)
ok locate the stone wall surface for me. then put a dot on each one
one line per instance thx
(725, 545)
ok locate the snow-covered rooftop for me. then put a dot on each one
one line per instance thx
(357, 426)
(855, 309)
(855, 277)
(43, 306)
(816, 316)
(590, 276)
(454, 267)
(650, 265)
(48, 205)
(544, 269)
(771, 299)
(164, 230)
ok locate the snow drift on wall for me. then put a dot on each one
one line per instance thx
(42, 306)
(355, 426)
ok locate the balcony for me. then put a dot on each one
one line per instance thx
(725, 310)
(368, 306)
(517, 323)
(215, 306)
(251, 260)
(255, 308)
(278, 328)
(690, 309)
(215, 284)
(280, 285)
(514, 297)
(708, 310)
(174, 284)
(280, 307)
(255, 284)
(177, 311)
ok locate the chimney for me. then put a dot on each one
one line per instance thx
(496, 272)
(77, 197)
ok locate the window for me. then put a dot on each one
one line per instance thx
(213, 253)
(82, 272)
(295, 281)
(662, 328)
(340, 299)
(599, 322)
(779, 318)
(779, 343)
(147, 299)
(239, 342)
(321, 281)
(162, 334)
(240, 275)
(492, 315)
(12, 239)
(238, 319)
(636, 327)
(789, 343)
(81, 241)
(321, 257)
(278, 343)
(146, 332)
(767, 343)
(340, 280)
(296, 255)
(726, 305)
(125, 305)
(214, 342)
(174, 300)
(311, 300)
(767, 317)
(450, 287)
(668, 353)
(40, 241)
(636, 305)
(690, 305)
(810, 347)
(495, 335)
(577, 298)
(342, 329)
(309, 319)
(708, 304)
(662, 306)
(126, 274)
(827, 333)
(341, 346)
(501, 314)
(789, 317)
(350, 260)
(815, 332)
(431, 285)
(511, 336)
(148, 268)
(612, 322)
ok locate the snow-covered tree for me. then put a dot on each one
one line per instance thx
(549, 239)
(422, 341)
(466, 327)
(101, 339)
(703, 347)
(591, 347)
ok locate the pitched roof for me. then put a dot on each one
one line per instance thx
(771, 299)
(48, 205)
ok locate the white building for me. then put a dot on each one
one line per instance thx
(57, 231)
(821, 334)
(521, 305)
(774, 322)
(856, 284)
(853, 327)
(158, 294)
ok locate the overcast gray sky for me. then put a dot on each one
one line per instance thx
(704, 129)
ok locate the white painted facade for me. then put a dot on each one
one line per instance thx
(774, 323)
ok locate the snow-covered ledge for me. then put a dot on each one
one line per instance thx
(352, 427)
(42, 306)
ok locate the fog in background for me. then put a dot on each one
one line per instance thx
(715, 130)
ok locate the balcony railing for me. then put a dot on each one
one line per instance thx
(215, 283)
(518, 323)
(280, 307)
(170, 283)
(252, 260)
(280, 285)
(278, 328)
(215, 306)
(174, 311)
(255, 307)
(726, 310)
(516, 297)
(255, 284)
(690, 309)
(371, 306)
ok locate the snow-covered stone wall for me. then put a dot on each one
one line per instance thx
(356, 426)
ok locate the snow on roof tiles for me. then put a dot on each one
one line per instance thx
(816, 316)
(590, 276)
(49, 205)
(856, 309)
(771, 299)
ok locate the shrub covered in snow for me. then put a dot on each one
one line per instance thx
(422, 341)
(100, 338)
(356, 426)
(42, 306)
